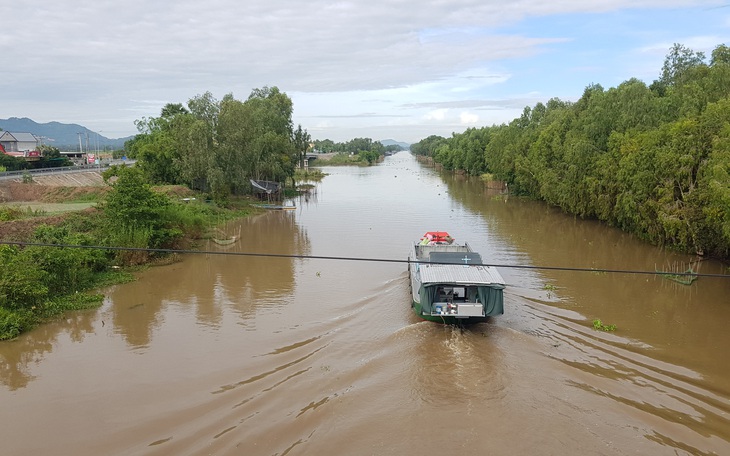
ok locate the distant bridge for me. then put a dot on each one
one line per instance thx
(310, 156)
(327, 156)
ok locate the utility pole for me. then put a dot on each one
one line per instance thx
(81, 146)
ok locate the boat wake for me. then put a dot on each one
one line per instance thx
(671, 405)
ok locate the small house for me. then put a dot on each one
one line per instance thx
(18, 142)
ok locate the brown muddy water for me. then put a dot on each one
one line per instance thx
(240, 355)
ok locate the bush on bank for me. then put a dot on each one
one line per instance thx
(38, 283)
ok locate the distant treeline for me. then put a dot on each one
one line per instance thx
(651, 160)
(355, 146)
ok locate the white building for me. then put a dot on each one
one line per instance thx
(18, 142)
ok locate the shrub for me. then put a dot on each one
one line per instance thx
(131, 237)
(131, 202)
(9, 213)
(22, 283)
(12, 324)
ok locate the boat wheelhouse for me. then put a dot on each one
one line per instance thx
(449, 284)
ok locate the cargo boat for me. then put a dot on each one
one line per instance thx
(449, 284)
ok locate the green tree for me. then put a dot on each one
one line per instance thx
(720, 55)
(49, 152)
(131, 202)
(206, 108)
(301, 142)
(172, 109)
(678, 62)
(155, 149)
(219, 145)
(325, 145)
(369, 156)
(254, 140)
(427, 147)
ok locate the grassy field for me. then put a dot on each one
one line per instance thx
(48, 208)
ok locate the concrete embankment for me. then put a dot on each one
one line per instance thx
(76, 179)
(83, 179)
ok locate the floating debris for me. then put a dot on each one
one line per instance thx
(684, 275)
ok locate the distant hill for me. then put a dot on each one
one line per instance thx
(66, 136)
(62, 136)
(390, 142)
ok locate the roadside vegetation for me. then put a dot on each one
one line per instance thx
(50, 158)
(652, 160)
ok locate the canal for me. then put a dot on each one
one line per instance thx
(223, 353)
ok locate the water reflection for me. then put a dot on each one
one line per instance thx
(207, 284)
(198, 284)
(685, 322)
(20, 355)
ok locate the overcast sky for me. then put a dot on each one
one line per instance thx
(393, 69)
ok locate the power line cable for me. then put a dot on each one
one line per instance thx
(365, 259)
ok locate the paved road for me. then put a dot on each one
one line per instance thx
(18, 175)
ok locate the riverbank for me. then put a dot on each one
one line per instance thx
(39, 282)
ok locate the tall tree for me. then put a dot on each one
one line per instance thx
(301, 144)
(173, 109)
(205, 107)
(678, 62)
(720, 55)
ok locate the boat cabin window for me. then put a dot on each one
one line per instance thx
(450, 294)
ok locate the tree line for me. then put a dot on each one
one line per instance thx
(354, 146)
(652, 160)
(218, 145)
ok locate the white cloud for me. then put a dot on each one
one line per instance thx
(438, 114)
(363, 65)
(468, 118)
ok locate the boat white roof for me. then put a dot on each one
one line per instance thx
(451, 273)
